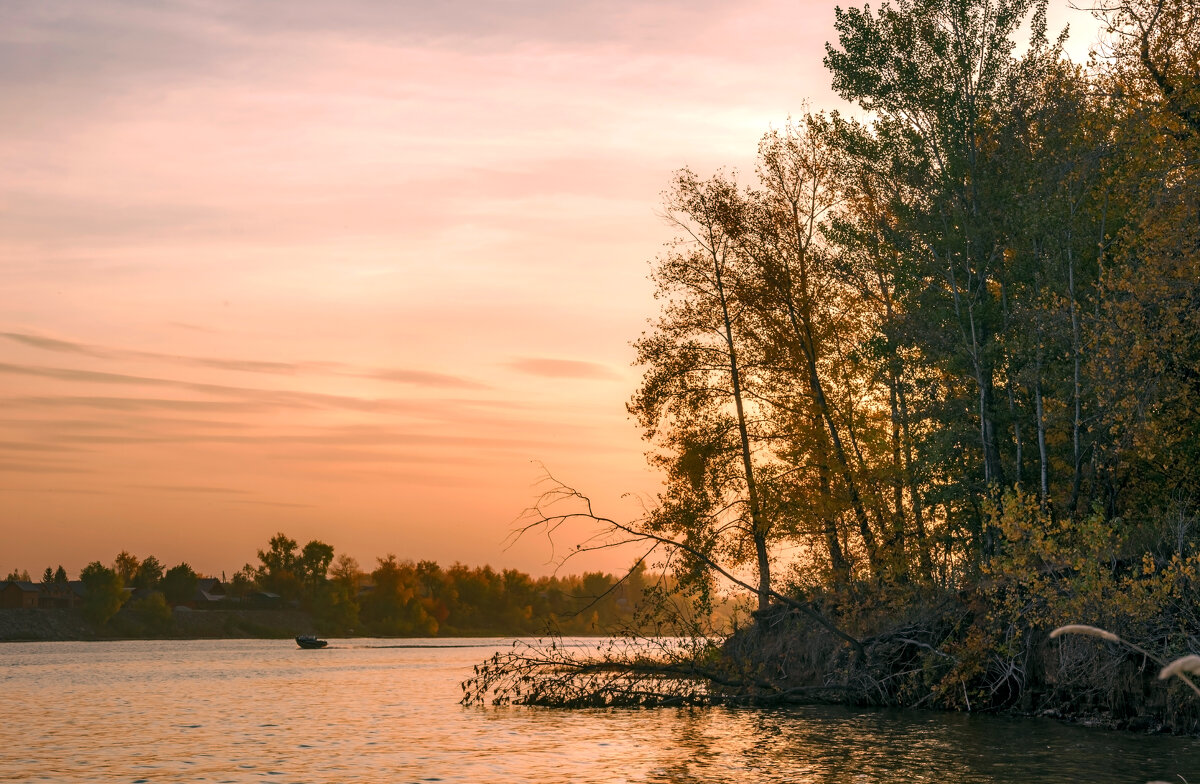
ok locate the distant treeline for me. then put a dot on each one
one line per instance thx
(396, 598)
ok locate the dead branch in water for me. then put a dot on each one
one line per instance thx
(624, 672)
(614, 533)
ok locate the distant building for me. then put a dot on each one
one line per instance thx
(209, 592)
(19, 594)
(263, 600)
(210, 589)
(61, 596)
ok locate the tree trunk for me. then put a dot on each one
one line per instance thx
(898, 522)
(1076, 351)
(758, 525)
(837, 558)
(805, 339)
(1012, 410)
(899, 402)
(1044, 485)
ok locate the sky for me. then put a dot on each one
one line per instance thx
(356, 271)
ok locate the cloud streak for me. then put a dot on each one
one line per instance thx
(277, 398)
(396, 375)
(562, 368)
(192, 489)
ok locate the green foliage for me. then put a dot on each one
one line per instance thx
(152, 612)
(242, 582)
(179, 584)
(394, 606)
(149, 574)
(279, 571)
(313, 564)
(126, 565)
(104, 592)
(335, 609)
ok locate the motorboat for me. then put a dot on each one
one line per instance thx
(310, 641)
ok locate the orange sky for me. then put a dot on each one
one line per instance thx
(345, 269)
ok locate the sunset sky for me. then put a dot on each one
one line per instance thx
(346, 269)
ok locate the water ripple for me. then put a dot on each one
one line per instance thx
(375, 711)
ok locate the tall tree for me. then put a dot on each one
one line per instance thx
(126, 565)
(179, 584)
(313, 564)
(868, 256)
(104, 592)
(802, 312)
(279, 569)
(932, 71)
(693, 401)
(149, 574)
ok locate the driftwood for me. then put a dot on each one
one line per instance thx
(627, 672)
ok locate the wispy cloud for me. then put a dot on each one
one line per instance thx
(192, 327)
(396, 375)
(19, 446)
(279, 398)
(334, 438)
(421, 378)
(41, 468)
(562, 368)
(192, 489)
(333, 455)
(52, 344)
(58, 402)
(58, 491)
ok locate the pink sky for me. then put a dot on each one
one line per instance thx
(346, 269)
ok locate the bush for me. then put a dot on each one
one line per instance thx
(152, 612)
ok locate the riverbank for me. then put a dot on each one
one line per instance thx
(28, 625)
(986, 649)
(66, 625)
(949, 653)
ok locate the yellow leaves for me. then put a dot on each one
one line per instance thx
(1049, 572)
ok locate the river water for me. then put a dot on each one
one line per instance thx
(379, 711)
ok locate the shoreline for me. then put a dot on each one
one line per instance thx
(40, 626)
(69, 625)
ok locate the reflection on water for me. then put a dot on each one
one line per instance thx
(371, 711)
(829, 745)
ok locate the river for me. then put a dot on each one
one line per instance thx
(387, 711)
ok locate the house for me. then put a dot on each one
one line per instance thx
(19, 594)
(61, 596)
(263, 600)
(209, 592)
